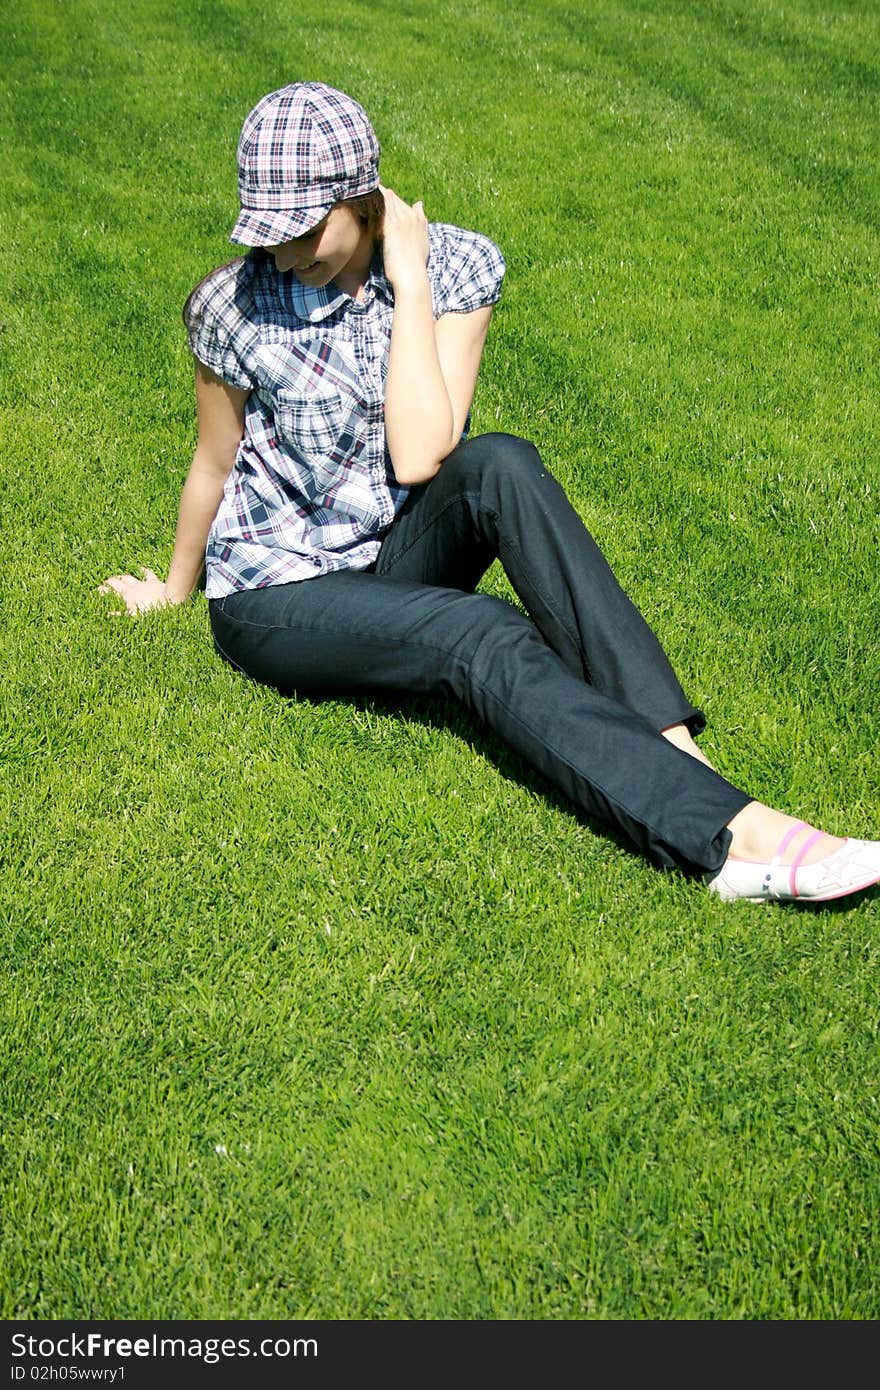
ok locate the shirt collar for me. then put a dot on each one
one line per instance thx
(314, 305)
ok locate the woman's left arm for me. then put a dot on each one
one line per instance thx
(432, 366)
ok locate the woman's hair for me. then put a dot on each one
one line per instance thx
(370, 208)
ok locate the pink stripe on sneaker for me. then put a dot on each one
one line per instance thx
(788, 837)
(810, 840)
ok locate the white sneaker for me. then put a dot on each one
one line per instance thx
(851, 868)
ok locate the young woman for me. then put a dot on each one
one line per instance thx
(345, 521)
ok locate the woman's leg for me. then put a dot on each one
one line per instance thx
(584, 706)
(353, 631)
(494, 497)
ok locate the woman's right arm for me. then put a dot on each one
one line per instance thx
(220, 411)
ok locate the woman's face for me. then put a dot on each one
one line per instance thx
(338, 246)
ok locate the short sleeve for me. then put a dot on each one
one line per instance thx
(220, 324)
(466, 270)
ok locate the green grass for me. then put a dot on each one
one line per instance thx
(330, 1010)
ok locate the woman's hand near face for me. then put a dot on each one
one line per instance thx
(404, 242)
(432, 365)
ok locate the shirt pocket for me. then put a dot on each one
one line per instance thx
(314, 424)
(318, 413)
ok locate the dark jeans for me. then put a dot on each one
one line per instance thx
(580, 689)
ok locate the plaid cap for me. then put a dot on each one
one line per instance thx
(302, 149)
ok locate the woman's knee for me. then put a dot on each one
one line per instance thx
(509, 450)
(505, 457)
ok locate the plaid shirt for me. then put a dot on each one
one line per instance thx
(312, 489)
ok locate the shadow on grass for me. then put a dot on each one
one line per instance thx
(437, 713)
(433, 712)
(447, 715)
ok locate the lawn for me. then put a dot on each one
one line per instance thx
(332, 1010)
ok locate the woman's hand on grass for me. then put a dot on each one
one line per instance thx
(138, 595)
(404, 241)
